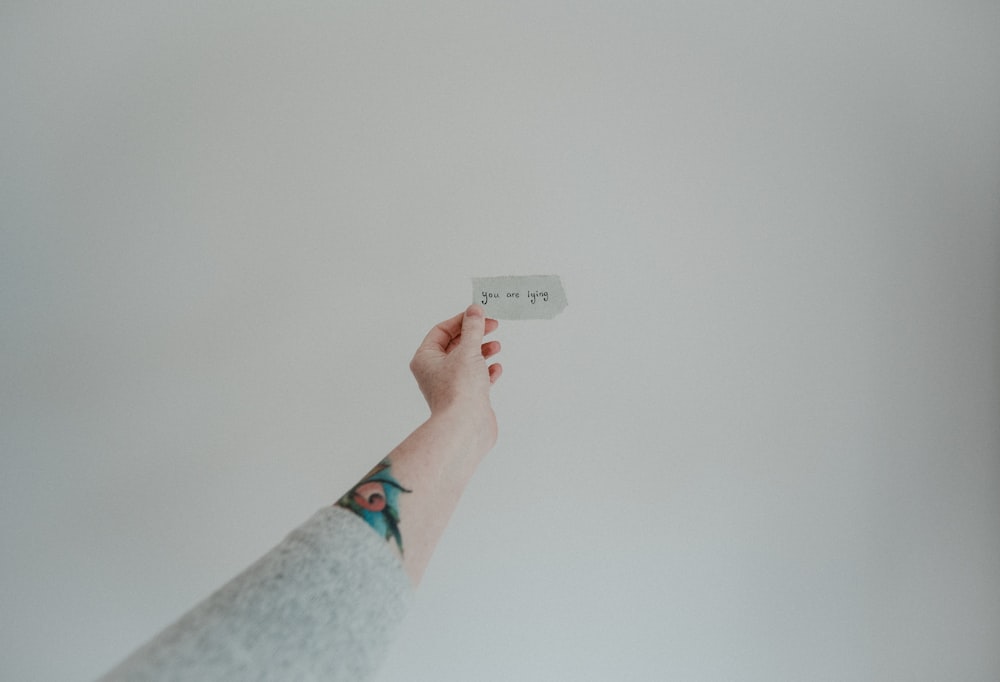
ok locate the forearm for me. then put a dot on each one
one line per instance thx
(411, 495)
(436, 461)
(327, 600)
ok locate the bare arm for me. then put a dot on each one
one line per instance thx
(412, 493)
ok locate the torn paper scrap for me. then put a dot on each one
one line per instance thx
(526, 297)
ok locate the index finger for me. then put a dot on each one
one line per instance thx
(491, 326)
(443, 333)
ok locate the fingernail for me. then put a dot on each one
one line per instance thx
(474, 311)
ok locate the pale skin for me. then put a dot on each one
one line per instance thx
(437, 460)
(408, 499)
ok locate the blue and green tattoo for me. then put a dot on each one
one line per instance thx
(376, 500)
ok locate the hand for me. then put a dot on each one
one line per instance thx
(451, 371)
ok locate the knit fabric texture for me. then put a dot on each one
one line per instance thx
(322, 605)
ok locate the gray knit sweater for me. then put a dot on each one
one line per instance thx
(322, 605)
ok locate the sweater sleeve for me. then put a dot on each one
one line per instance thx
(322, 605)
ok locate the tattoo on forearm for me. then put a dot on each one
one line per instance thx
(376, 500)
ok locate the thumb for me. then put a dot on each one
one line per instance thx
(473, 328)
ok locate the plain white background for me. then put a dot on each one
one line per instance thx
(761, 443)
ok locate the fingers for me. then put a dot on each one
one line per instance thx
(496, 369)
(490, 349)
(446, 335)
(491, 326)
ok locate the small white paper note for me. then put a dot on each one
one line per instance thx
(526, 297)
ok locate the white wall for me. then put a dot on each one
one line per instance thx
(761, 444)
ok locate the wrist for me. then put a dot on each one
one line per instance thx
(473, 430)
